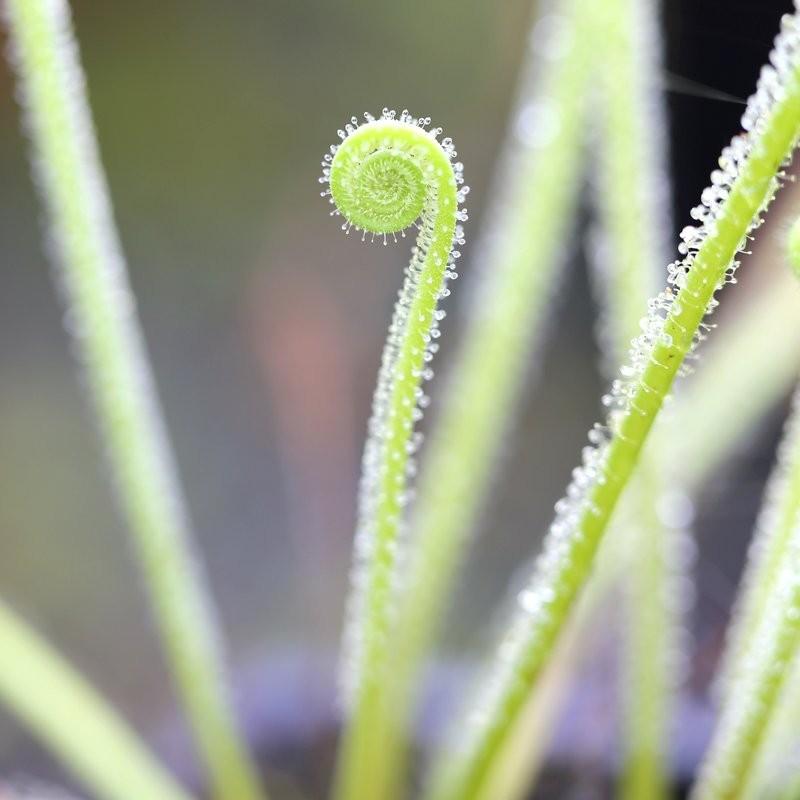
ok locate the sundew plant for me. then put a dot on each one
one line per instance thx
(588, 119)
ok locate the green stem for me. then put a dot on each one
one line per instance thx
(766, 337)
(633, 199)
(768, 554)
(632, 193)
(761, 662)
(68, 715)
(384, 175)
(92, 274)
(731, 208)
(651, 627)
(520, 259)
(775, 774)
(517, 765)
(760, 602)
(770, 549)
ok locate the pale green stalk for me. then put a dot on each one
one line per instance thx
(765, 335)
(767, 555)
(776, 774)
(776, 770)
(383, 176)
(762, 612)
(630, 250)
(761, 663)
(731, 208)
(519, 259)
(517, 765)
(75, 722)
(101, 309)
(652, 625)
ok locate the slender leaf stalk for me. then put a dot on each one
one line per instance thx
(775, 761)
(767, 634)
(769, 552)
(383, 176)
(766, 337)
(731, 208)
(776, 773)
(78, 725)
(630, 250)
(519, 260)
(522, 756)
(765, 334)
(653, 629)
(101, 308)
(630, 245)
(758, 617)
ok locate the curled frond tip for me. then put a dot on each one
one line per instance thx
(389, 172)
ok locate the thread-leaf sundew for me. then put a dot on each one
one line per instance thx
(730, 208)
(92, 275)
(384, 175)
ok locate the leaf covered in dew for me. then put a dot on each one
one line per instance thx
(386, 174)
(731, 207)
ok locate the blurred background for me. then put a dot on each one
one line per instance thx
(265, 325)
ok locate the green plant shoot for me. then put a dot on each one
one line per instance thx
(93, 278)
(384, 176)
(732, 206)
(84, 732)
